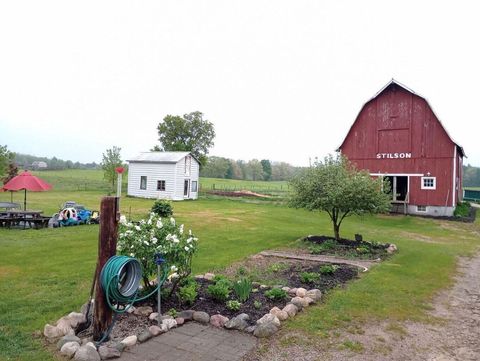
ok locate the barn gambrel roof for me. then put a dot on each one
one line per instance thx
(160, 157)
(395, 82)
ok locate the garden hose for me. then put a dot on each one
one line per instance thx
(120, 281)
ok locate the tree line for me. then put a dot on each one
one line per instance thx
(26, 160)
(471, 176)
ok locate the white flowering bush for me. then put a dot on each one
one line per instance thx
(144, 239)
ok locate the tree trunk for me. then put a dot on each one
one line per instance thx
(336, 231)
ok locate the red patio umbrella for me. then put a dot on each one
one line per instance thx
(26, 181)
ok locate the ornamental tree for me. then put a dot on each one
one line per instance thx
(338, 188)
(110, 161)
(144, 239)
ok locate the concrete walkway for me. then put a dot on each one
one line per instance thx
(365, 265)
(193, 342)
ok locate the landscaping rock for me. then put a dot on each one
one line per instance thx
(265, 330)
(209, 276)
(298, 301)
(314, 294)
(256, 284)
(87, 353)
(69, 348)
(238, 323)
(120, 346)
(264, 287)
(52, 332)
(67, 338)
(64, 326)
(218, 321)
(291, 309)
(392, 248)
(199, 277)
(75, 318)
(107, 353)
(165, 317)
(281, 315)
(130, 341)
(293, 292)
(250, 329)
(269, 318)
(201, 317)
(153, 316)
(169, 323)
(144, 336)
(308, 300)
(186, 315)
(155, 330)
(131, 309)
(92, 345)
(301, 292)
(143, 311)
(286, 289)
(180, 321)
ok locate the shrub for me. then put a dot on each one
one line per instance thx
(188, 292)
(162, 208)
(327, 245)
(328, 269)
(462, 209)
(220, 279)
(309, 277)
(363, 250)
(221, 289)
(172, 312)
(243, 288)
(277, 267)
(158, 235)
(276, 294)
(233, 305)
(257, 304)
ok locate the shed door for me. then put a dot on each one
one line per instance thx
(186, 188)
(399, 188)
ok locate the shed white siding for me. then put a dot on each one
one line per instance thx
(173, 173)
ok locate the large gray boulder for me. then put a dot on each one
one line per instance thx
(265, 330)
(238, 323)
(87, 353)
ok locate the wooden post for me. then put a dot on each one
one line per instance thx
(107, 247)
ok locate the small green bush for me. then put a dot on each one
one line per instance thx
(276, 294)
(277, 267)
(221, 289)
(328, 269)
(242, 289)
(172, 312)
(220, 279)
(188, 292)
(162, 208)
(462, 209)
(363, 250)
(327, 245)
(233, 305)
(309, 277)
(257, 304)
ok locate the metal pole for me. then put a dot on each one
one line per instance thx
(159, 296)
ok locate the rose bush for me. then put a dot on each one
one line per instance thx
(144, 239)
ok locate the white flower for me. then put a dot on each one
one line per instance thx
(189, 240)
(181, 229)
(137, 228)
(154, 240)
(186, 248)
(172, 276)
(168, 237)
(159, 224)
(128, 232)
(172, 220)
(132, 255)
(129, 224)
(174, 268)
(131, 247)
(142, 221)
(149, 221)
(189, 232)
(146, 243)
(123, 219)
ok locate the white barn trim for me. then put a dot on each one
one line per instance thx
(164, 175)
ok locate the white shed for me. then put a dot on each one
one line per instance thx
(163, 175)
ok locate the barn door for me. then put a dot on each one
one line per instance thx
(186, 188)
(398, 188)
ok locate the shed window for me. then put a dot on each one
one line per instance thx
(160, 185)
(429, 183)
(194, 186)
(421, 208)
(143, 182)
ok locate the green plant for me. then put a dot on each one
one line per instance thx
(242, 289)
(162, 208)
(158, 235)
(257, 304)
(233, 305)
(309, 277)
(221, 279)
(276, 294)
(277, 267)
(242, 271)
(328, 269)
(362, 250)
(188, 292)
(220, 290)
(172, 312)
(462, 209)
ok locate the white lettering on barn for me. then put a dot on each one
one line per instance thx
(394, 155)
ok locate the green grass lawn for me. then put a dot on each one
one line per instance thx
(45, 274)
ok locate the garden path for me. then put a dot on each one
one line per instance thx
(365, 265)
(193, 342)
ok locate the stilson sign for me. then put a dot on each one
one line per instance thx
(394, 155)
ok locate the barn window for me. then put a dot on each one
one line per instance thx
(160, 185)
(421, 208)
(194, 186)
(143, 182)
(429, 183)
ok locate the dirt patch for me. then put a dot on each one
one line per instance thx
(242, 193)
(453, 337)
(418, 237)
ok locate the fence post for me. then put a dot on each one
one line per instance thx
(107, 247)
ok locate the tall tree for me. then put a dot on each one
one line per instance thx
(6, 157)
(338, 188)
(254, 169)
(267, 169)
(190, 133)
(110, 160)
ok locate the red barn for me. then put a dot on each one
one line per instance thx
(397, 135)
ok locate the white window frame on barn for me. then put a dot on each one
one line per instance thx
(143, 182)
(161, 185)
(429, 183)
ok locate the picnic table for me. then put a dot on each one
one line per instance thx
(14, 217)
(9, 205)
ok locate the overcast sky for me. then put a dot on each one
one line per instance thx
(282, 80)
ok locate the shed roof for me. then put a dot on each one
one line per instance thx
(159, 157)
(393, 81)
